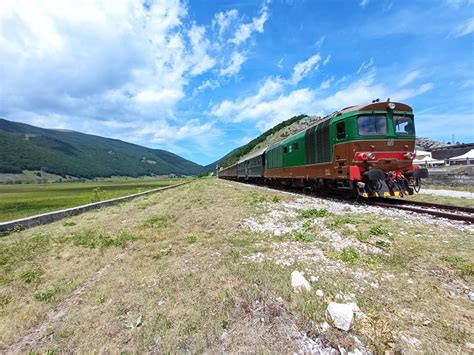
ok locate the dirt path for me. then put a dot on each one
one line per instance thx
(36, 334)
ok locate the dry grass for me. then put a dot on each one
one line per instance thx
(185, 282)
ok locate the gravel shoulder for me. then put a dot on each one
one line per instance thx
(208, 267)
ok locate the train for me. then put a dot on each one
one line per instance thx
(365, 150)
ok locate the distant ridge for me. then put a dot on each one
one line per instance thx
(65, 152)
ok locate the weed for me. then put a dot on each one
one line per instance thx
(158, 222)
(276, 199)
(191, 239)
(453, 334)
(69, 223)
(97, 194)
(462, 265)
(314, 213)
(337, 338)
(4, 300)
(349, 255)
(48, 294)
(378, 230)
(361, 236)
(32, 275)
(338, 221)
(305, 236)
(382, 244)
(162, 252)
(52, 351)
(90, 239)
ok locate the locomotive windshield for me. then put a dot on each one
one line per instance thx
(404, 125)
(372, 125)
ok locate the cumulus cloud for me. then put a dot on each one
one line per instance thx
(245, 30)
(272, 103)
(224, 19)
(303, 69)
(207, 84)
(236, 61)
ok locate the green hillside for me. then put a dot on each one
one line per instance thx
(25, 147)
(269, 137)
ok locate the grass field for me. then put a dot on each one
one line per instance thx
(206, 268)
(17, 201)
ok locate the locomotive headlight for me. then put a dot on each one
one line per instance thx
(409, 155)
(391, 105)
(371, 156)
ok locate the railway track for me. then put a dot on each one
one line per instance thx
(458, 213)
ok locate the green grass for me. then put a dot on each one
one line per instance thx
(315, 213)
(460, 264)
(30, 199)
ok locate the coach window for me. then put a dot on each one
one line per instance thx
(373, 125)
(285, 149)
(341, 130)
(404, 125)
(295, 146)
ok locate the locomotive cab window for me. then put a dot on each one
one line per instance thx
(295, 146)
(404, 125)
(372, 125)
(341, 130)
(285, 149)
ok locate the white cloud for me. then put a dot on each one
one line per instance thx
(326, 61)
(244, 31)
(413, 75)
(366, 65)
(207, 84)
(363, 3)
(236, 61)
(224, 20)
(320, 42)
(302, 69)
(271, 105)
(326, 84)
(94, 66)
(457, 4)
(465, 28)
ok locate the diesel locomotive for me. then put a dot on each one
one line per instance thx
(365, 150)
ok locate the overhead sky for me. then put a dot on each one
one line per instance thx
(200, 78)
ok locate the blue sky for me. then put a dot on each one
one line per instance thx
(200, 78)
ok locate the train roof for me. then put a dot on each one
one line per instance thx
(252, 155)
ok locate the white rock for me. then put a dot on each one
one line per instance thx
(298, 282)
(326, 326)
(320, 293)
(341, 314)
(471, 295)
(358, 313)
(313, 279)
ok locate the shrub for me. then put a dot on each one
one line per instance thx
(48, 294)
(378, 230)
(315, 213)
(305, 236)
(349, 255)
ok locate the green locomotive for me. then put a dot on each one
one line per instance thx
(366, 149)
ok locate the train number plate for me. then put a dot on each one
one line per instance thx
(391, 142)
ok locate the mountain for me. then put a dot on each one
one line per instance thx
(63, 152)
(273, 135)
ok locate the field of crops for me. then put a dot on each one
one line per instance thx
(17, 201)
